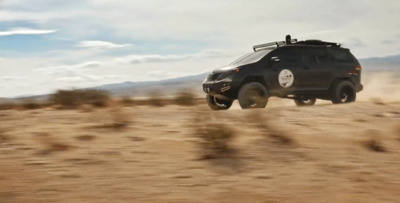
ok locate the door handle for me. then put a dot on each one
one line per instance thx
(306, 67)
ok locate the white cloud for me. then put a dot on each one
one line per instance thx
(155, 58)
(25, 31)
(101, 45)
(9, 78)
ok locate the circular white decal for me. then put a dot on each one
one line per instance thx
(286, 78)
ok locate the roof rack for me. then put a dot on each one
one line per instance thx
(319, 42)
(279, 43)
(289, 40)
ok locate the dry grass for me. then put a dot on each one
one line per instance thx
(85, 137)
(265, 125)
(185, 98)
(115, 118)
(374, 143)
(7, 106)
(215, 138)
(3, 136)
(127, 101)
(30, 105)
(74, 98)
(155, 98)
(52, 145)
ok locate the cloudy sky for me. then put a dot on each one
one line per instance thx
(46, 45)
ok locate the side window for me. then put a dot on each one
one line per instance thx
(341, 56)
(290, 56)
(317, 56)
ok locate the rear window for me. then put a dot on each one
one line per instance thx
(317, 56)
(341, 56)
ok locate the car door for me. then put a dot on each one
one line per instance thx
(284, 74)
(318, 71)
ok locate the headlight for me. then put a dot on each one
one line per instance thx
(227, 74)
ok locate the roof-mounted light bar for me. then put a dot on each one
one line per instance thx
(279, 43)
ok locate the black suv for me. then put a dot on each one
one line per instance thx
(300, 70)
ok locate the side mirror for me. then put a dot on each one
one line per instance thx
(275, 59)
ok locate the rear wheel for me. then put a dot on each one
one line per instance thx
(253, 95)
(218, 104)
(343, 92)
(304, 101)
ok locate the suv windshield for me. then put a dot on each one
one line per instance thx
(251, 57)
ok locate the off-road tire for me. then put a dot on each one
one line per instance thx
(253, 95)
(301, 101)
(343, 92)
(218, 104)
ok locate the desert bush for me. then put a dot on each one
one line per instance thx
(85, 137)
(51, 145)
(215, 138)
(31, 105)
(265, 125)
(74, 98)
(127, 101)
(155, 98)
(114, 118)
(185, 98)
(3, 136)
(375, 145)
(7, 106)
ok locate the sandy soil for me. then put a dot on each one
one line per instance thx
(76, 156)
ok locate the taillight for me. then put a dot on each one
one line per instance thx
(358, 68)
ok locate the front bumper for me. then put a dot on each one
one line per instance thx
(216, 88)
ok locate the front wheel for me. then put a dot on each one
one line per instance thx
(253, 95)
(218, 104)
(343, 92)
(304, 101)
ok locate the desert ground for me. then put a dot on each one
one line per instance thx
(174, 153)
(323, 153)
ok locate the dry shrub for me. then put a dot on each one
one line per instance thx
(374, 143)
(86, 108)
(114, 118)
(155, 98)
(52, 145)
(127, 101)
(85, 137)
(29, 105)
(185, 98)
(3, 136)
(74, 98)
(265, 124)
(215, 138)
(7, 106)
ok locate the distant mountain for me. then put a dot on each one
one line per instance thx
(167, 87)
(381, 63)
